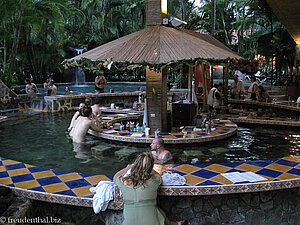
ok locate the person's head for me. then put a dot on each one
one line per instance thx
(86, 111)
(27, 81)
(157, 143)
(141, 170)
(140, 89)
(236, 78)
(51, 82)
(81, 105)
(220, 86)
(88, 101)
(68, 89)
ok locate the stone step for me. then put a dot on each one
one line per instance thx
(19, 209)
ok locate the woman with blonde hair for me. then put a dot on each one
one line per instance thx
(138, 184)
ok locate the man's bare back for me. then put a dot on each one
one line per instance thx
(81, 127)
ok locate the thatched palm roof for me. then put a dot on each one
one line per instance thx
(160, 44)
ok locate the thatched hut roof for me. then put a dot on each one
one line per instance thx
(160, 44)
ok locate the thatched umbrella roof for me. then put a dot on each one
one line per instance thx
(160, 44)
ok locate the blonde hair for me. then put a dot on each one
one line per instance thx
(141, 170)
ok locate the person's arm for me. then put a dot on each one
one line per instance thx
(27, 89)
(54, 90)
(218, 96)
(122, 172)
(163, 160)
(95, 125)
(75, 117)
(34, 86)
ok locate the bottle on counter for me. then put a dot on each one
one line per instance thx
(128, 126)
(131, 125)
(156, 133)
(121, 126)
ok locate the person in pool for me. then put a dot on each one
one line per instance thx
(83, 124)
(160, 154)
(68, 91)
(99, 82)
(75, 117)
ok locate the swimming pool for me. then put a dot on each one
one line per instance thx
(40, 139)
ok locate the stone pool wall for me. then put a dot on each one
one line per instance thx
(270, 207)
(68, 102)
(9, 99)
(245, 107)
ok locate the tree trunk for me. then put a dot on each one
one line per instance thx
(17, 32)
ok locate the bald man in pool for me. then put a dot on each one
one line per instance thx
(83, 124)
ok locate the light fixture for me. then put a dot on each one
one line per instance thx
(297, 42)
(164, 8)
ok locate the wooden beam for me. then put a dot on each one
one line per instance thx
(153, 13)
(190, 80)
(226, 76)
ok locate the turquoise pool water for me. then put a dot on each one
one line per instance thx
(40, 139)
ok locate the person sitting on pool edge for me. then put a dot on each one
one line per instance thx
(83, 124)
(160, 154)
(139, 183)
(30, 87)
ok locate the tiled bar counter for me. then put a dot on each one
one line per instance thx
(206, 190)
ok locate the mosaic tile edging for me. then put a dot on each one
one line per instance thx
(147, 140)
(274, 105)
(186, 140)
(3, 118)
(32, 105)
(263, 121)
(228, 189)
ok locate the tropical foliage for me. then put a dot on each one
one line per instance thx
(37, 35)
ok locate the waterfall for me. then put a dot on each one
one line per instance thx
(80, 76)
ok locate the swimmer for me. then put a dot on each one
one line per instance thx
(83, 124)
(30, 87)
(52, 87)
(75, 117)
(68, 91)
(160, 154)
(96, 108)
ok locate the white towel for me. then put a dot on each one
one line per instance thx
(104, 194)
(172, 179)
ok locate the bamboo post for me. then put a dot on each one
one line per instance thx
(205, 91)
(226, 76)
(190, 75)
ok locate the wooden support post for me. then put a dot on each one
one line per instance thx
(156, 93)
(190, 80)
(225, 87)
(205, 91)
